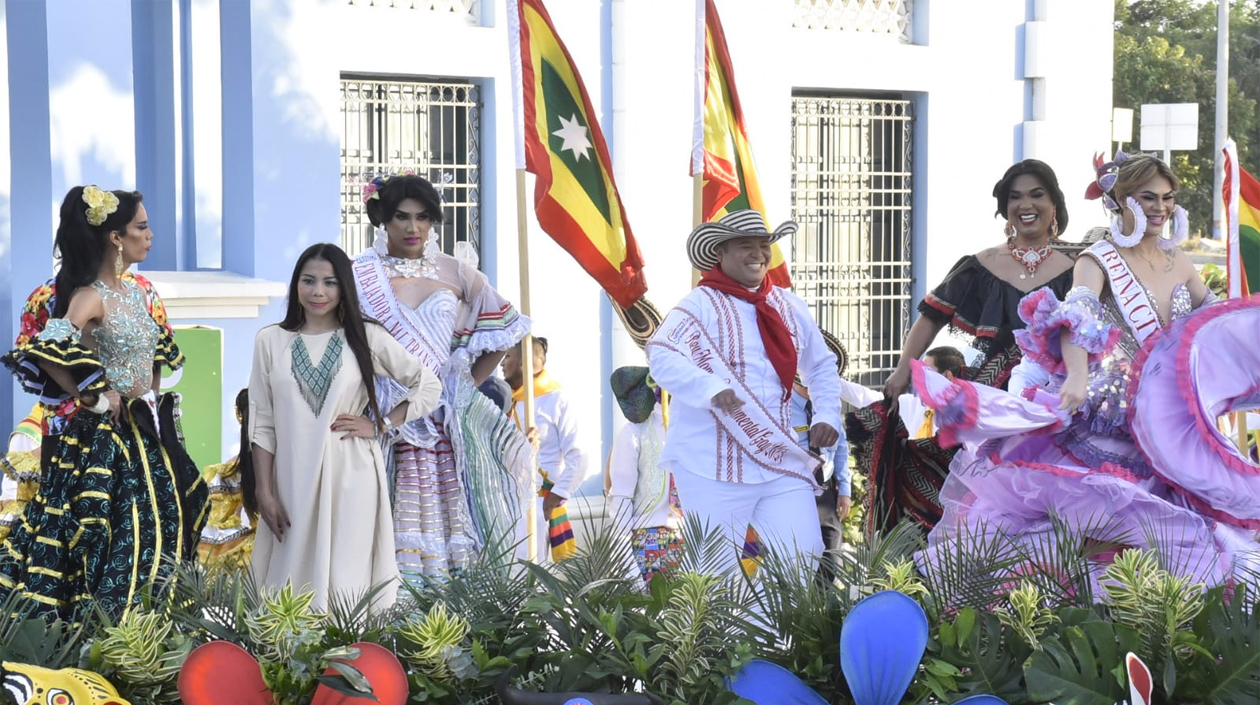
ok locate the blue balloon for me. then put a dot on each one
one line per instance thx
(768, 683)
(982, 700)
(882, 642)
(578, 701)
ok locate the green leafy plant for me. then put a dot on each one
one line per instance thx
(1159, 605)
(1026, 614)
(142, 655)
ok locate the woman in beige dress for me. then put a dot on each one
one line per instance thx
(315, 429)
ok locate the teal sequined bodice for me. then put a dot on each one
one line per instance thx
(126, 339)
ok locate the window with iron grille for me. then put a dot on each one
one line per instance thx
(851, 195)
(431, 128)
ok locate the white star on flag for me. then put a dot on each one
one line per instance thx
(574, 135)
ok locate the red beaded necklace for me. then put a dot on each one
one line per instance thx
(1029, 257)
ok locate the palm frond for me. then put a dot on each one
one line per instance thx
(211, 603)
(26, 637)
(351, 616)
(968, 569)
(706, 550)
(1060, 567)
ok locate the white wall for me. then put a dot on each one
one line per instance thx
(970, 74)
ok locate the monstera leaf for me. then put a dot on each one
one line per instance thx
(1077, 668)
(991, 662)
(1230, 630)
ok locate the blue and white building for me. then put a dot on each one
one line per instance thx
(880, 125)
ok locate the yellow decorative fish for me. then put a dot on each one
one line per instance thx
(32, 685)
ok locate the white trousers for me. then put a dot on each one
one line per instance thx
(782, 511)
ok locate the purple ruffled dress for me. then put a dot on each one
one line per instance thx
(1140, 465)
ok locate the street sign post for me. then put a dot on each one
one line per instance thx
(1169, 126)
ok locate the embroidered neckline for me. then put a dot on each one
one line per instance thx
(314, 381)
(426, 267)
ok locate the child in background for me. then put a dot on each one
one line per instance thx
(227, 541)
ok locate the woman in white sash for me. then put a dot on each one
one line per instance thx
(1071, 452)
(460, 471)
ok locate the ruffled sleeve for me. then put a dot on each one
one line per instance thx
(1080, 312)
(35, 314)
(167, 352)
(391, 360)
(490, 323)
(58, 344)
(973, 300)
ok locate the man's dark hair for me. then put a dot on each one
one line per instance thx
(947, 359)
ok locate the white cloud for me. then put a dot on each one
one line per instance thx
(90, 116)
(306, 81)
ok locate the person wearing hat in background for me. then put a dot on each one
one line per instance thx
(561, 461)
(641, 493)
(728, 354)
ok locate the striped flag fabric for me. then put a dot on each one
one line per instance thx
(720, 148)
(560, 142)
(1242, 208)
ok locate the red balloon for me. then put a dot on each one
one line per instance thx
(382, 670)
(221, 672)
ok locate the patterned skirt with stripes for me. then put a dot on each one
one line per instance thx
(116, 508)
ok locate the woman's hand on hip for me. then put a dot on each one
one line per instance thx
(354, 426)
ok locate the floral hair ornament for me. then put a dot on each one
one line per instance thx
(373, 190)
(1107, 173)
(101, 204)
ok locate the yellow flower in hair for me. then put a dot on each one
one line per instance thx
(100, 204)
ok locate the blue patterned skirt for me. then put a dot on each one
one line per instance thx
(116, 508)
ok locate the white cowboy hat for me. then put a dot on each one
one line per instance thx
(704, 240)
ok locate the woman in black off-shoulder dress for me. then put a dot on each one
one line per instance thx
(980, 297)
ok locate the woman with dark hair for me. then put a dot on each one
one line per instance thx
(980, 297)
(119, 497)
(1119, 446)
(318, 476)
(462, 473)
(227, 541)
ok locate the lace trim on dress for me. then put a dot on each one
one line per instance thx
(315, 381)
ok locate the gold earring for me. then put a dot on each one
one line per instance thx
(118, 263)
(1009, 230)
(1054, 228)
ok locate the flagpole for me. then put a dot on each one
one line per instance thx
(697, 215)
(1222, 113)
(527, 356)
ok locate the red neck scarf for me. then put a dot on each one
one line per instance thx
(774, 332)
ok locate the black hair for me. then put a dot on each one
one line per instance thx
(245, 459)
(399, 188)
(947, 359)
(81, 247)
(1043, 173)
(353, 322)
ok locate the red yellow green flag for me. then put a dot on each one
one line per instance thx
(559, 141)
(1242, 208)
(720, 148)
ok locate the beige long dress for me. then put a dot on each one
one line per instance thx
(334, 490)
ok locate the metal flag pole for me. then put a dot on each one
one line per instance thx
(1222, 113)
(527, 356)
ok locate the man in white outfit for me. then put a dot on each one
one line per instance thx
(728, 354)
(561, 462)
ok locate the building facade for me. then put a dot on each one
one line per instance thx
(251, 127)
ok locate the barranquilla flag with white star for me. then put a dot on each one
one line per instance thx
(720, 148)
(558, 136)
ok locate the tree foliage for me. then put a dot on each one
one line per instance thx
(1165, 52)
